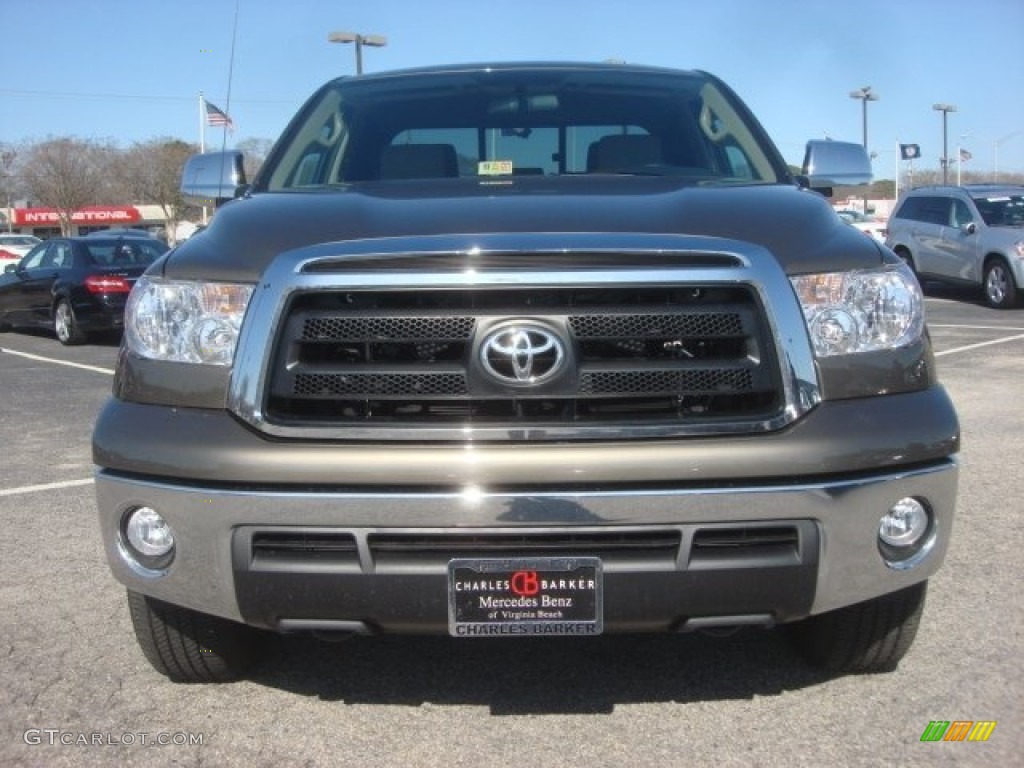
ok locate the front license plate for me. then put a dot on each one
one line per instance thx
(525, 596)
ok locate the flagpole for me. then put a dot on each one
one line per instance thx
(899, 159)
(202, 138)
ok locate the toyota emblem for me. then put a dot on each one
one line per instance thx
(522, 354)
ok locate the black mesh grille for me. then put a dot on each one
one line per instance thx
(713, 381)
(412, 359)
(656, 325)
(408, 385)
(362, 328)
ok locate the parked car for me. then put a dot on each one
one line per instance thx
(122, 232)
(869, 225)
(74, 285)
(13, 247)
(971, 235)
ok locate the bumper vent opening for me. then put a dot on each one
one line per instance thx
(753, 546)
(283, 550)
(703, 547)
(612, 547)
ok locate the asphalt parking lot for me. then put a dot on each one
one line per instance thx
(75, 689)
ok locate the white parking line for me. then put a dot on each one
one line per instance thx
(55, 361)
(979, 345)
(44, 487)
(64, 483)
(976, 327)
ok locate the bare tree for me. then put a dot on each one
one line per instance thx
(66, 173)
(150, 172)
(9, 157)
(254, 152)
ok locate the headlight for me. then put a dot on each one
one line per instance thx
(861, 311)
(185, 322)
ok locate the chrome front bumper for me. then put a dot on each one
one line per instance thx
(207, 520)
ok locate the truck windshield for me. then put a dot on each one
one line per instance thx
(521, 122)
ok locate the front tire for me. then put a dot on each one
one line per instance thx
(867, 637)
(1000, 287)
(65, 326)
(191, 647)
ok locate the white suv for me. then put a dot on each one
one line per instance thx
(972, 234)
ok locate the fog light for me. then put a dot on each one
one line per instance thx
(906, 534)
(149, 534)
(904, 525)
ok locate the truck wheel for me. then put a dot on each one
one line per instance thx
(192, 647)
(1000, 288)
(867, 637)
(65, 325)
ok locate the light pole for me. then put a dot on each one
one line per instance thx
(865, 95)
(374, 41)
(945, 109)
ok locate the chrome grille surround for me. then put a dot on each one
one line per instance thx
(502, 265)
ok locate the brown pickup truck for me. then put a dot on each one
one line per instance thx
(525, 349)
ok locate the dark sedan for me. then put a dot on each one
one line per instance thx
(74, 285)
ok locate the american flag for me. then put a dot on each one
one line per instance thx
(217, 116)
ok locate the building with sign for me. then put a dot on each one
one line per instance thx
(45, 222)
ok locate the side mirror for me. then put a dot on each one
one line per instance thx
(830, 164)
(213, 178)
(10, 269)
(969, 228)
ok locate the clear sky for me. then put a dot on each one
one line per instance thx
(132, 70)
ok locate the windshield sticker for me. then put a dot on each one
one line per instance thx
(494, 168)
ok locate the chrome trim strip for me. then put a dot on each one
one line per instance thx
(324, 625)
(697, 623)
(287, 276)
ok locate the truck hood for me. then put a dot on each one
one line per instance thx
(797, 226)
